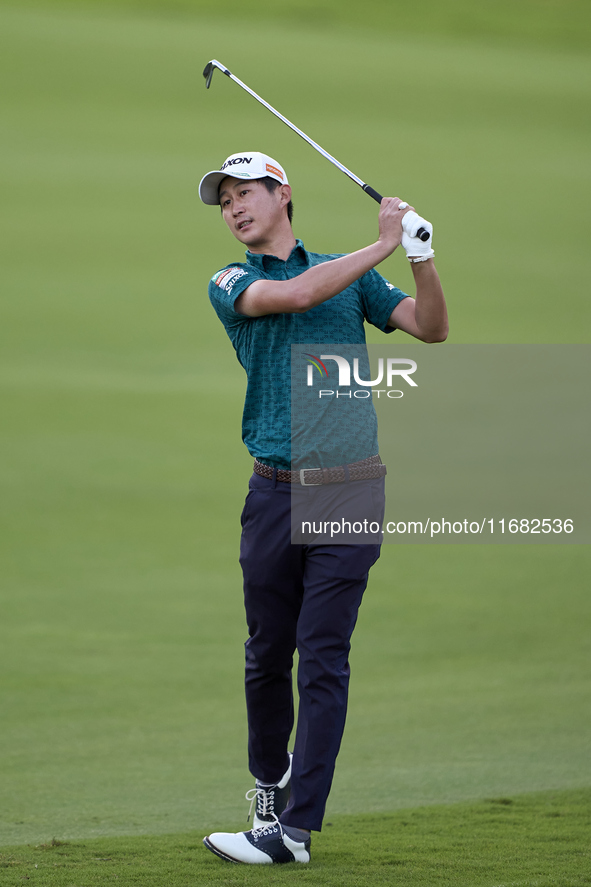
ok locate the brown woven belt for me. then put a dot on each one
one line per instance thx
(367, 469)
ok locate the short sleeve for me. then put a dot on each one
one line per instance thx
(226, 286)
(380, 298)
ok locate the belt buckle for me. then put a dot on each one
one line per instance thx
(302, 480)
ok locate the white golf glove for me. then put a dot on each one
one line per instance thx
(416, 249)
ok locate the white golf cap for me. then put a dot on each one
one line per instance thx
(248, 165)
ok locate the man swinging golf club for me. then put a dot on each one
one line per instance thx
(300, 596)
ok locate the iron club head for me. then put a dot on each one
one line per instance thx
(208, 73)
(210, 68)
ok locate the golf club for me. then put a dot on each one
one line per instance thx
(210, 67)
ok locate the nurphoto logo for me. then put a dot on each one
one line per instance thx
(390, 371)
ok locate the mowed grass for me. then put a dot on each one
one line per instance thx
(539, 840)
(122, 469)
(530, 22)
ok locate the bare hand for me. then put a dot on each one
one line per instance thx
(390, 221)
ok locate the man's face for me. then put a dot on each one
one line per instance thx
(250, 211)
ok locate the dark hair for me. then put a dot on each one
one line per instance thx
(272, 185)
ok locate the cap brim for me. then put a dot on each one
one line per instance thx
(210, 184)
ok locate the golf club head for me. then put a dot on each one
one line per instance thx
(208, 73)
(210, 68)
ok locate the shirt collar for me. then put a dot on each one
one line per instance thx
(298, 256)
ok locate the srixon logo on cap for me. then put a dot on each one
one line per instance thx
(235, 160)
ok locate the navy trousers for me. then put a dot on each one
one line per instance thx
(305, 597)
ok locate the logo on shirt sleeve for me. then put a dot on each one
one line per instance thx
(227, 278)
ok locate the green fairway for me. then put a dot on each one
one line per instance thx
(531, 22)
(122, 469)
(538, 840)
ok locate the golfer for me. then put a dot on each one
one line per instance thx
(300, 596)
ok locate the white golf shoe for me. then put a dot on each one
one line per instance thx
(261, 846)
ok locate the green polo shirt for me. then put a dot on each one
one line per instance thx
(263, 347)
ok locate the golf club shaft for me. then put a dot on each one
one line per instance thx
(208, 74)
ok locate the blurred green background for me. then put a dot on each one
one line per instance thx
(122, 468)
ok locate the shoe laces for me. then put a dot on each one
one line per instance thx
(264, 799)
(266, 829)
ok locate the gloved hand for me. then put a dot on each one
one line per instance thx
(415, 248)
